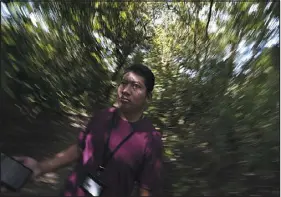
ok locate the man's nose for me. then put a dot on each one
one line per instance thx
(126, 89)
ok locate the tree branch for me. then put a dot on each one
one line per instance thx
(195, 40)
(209, 18)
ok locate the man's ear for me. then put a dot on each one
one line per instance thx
(148, 97)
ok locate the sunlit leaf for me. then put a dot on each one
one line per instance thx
(123, 15)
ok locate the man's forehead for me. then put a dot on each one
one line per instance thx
(133, 77)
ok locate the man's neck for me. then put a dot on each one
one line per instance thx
(131, 116)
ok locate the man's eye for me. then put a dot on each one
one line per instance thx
(136, 86)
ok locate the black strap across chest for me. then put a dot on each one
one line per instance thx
(107, 154)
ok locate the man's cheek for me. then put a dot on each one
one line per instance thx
(119, 92)
(139, 101)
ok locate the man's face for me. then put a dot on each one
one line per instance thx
(132, 92)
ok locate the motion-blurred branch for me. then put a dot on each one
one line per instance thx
(209, 19)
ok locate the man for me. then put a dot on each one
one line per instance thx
(119, 147)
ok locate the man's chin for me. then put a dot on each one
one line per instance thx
(125, 107)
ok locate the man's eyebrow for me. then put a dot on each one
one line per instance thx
(138, 82)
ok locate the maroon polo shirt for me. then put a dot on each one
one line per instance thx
(138, 160)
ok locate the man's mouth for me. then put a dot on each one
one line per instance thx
(125, 100)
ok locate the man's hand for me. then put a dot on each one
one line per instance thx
(31, 164)
(144, 192)
(65, 157)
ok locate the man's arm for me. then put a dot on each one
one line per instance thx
(65, 157)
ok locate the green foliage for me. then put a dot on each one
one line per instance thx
(219, 114)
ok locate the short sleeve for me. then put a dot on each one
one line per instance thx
(81, 139)
(97, 117)
(83, 134)
(150, 175)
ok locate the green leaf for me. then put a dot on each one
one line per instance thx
(96, 57)
(123, 15)
(97, 4)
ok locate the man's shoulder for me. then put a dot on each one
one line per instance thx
(101, 115)
(156, 135)
(151, 127)
(155, 141)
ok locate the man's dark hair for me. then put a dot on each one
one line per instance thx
(144, 72)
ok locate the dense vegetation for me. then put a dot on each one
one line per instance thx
(217, 68)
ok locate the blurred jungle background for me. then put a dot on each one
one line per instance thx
(216, 99)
